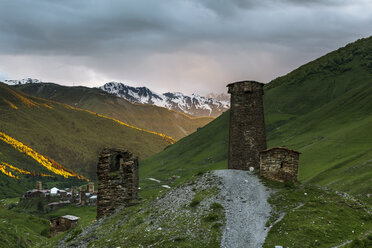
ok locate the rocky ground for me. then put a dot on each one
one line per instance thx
(244, 198)
(226, 208)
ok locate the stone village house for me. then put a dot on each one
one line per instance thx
(63, 223)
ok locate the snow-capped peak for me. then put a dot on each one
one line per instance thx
(22, 81)
(194, 105)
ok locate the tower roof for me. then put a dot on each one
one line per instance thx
(245, 82)
(280, 148)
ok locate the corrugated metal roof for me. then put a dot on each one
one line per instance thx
(70, 217)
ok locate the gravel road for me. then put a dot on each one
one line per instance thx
(244, 198)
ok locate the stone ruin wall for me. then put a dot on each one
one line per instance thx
(279, 164)
(117, 173)
(247, 135)
(83, 198)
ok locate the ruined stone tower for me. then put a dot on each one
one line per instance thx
(117, 173)
(247, 126)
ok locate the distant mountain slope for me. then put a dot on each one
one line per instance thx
(162, 120)
(193, 105)
(323, 109)
(70, 136)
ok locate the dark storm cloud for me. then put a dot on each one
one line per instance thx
(173, 44)
(72, 26)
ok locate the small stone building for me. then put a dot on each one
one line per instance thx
(279, 164)
(53, 206)
(247, 135)
(36, 193)
(117, 173)
(63, 223)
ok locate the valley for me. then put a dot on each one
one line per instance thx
(70, 136)
(149, 117)
(323, 109)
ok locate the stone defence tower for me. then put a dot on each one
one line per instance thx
(39, 185)
(90, 188)
(247, 125)
(117, 173)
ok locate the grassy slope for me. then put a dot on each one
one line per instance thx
(322, 109)
(21, 230)
(195, 222)
(147, 117)
(197, 153)
(315, 217)
(71, 137)
(341, 113)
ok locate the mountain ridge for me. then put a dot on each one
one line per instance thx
(149, 117)
(194, 105)
(211, 105)
(69, 136)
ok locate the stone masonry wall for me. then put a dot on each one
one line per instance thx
(279, 164)
(61, 224)
(117, 173)
(247, 126)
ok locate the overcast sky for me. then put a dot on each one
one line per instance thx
(172, 45)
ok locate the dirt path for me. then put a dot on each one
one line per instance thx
(247, 210)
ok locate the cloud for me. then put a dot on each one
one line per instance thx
(3, 76)
(183, 45)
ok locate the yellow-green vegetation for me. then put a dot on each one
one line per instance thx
(149, 117)
(315, 217)
(323, 109)
(70, 137)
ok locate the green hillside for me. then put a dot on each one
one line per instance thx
(69, 136)
(149, 117)
(323, 109)
(11, 187)
(326, 117)
(21, 230)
